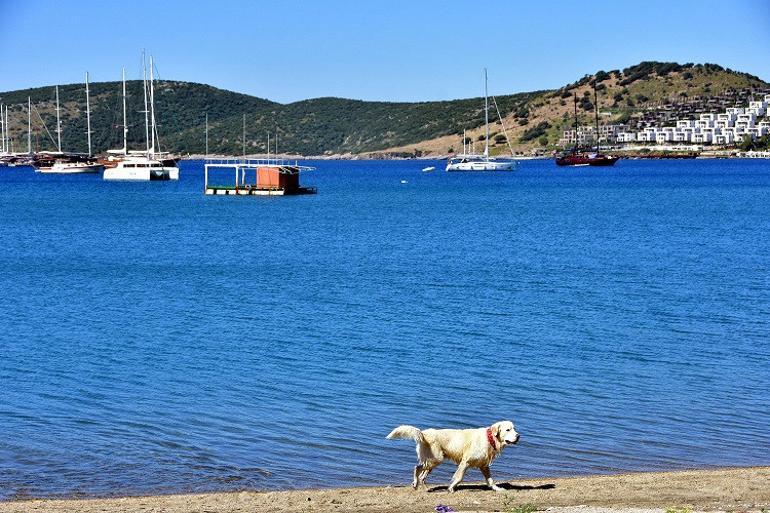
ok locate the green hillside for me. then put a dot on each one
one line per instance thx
(336, 125)
(178, 105)
(306, 127)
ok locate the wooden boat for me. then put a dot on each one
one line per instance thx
(576, 157)
(70, 163)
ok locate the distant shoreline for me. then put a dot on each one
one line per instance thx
(727, 489)
(348, 156)
(653, 153)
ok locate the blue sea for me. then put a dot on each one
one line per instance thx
(156, 340)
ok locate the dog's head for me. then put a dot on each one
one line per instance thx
(505, 433)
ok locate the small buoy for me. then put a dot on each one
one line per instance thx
(404, 181)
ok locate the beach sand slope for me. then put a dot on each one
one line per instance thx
(730, 490)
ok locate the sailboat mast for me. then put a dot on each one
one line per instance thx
(29, 125)
(125, 120)
(486, 115)
(596, 115)
(146, 110)
(152, 111)
(2, 127)
(576, 123)
(244, 136)
(207, 135)
(88, 116)
(58, 120)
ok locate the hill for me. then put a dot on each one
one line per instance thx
(332, 125)
(336, 125)
(634, 95)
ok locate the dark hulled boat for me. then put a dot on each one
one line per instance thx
(576, 157)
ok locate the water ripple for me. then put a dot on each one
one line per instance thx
(157, 341)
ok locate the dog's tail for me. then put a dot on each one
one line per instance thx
(409, 432)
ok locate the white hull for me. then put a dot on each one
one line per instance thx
(489, 165)
(141, 174)
(72, 169)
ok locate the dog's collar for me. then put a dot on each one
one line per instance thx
(491, 438)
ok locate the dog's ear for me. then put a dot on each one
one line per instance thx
(496, 430)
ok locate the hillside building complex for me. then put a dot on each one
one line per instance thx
(725, 128)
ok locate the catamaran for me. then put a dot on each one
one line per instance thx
(483, 162)
(141, 165)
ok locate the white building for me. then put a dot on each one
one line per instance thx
(728, 127)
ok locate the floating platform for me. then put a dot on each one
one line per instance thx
(253, 191)
(270, 178)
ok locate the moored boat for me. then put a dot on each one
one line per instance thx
(68, 168)
(483, 162)
(479, 163)
(146, 165)
(141, 168)
(577, 157)
(69, 163)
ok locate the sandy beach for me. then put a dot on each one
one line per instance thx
(730, 490)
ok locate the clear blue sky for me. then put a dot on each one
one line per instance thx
(374, 50)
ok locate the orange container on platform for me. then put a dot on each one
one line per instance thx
(276, 178)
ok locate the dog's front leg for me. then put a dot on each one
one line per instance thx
(458, 476)
(488, 479)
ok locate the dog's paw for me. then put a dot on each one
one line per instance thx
(450, 490)
(497, 489)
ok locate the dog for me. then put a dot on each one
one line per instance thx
(465, 447)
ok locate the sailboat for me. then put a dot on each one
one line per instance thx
(6, 156)
(74, 166)
(575, 157)
(138, 165)
(474, 162)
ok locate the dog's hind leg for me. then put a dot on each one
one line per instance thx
(424, 475)
(488, 479)
(458, 476)
(418, 470)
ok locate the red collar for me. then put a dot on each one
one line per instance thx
(491, 439)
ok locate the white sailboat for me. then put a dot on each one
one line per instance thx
(483, 162)
(68, 167)
(5, 155)
(137, 165)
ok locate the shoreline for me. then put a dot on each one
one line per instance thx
(726, 489)
(623, 154)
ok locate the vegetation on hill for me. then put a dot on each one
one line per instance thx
(178, 105)
(624, 96)
(331, 125)
(336, 125)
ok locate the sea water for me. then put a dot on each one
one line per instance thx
(155, 340)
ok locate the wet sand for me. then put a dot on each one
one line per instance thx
(731, 490)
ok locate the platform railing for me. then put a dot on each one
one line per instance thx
(241, 166)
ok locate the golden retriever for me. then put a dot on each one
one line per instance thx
(465, 447)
